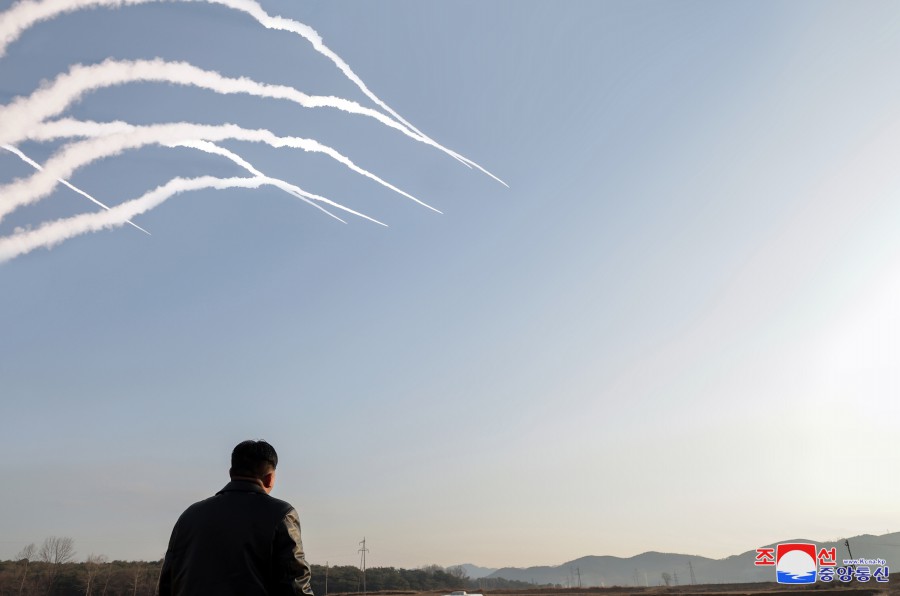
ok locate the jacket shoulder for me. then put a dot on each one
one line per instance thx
(282, 506)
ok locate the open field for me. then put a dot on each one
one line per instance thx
(764, 588)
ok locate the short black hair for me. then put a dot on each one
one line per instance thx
(253, 459)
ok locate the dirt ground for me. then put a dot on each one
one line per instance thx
(890, 588)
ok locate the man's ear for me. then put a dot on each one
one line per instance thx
(268, 481)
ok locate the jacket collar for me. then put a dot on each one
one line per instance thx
(242, 486)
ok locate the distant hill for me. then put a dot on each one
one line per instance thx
(647, 568)
(476, 572)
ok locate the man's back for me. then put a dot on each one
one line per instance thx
(240, 542)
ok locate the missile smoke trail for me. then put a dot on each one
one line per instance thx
(25, 14)
(30, 118)
(52, 233)
(287, 187)
(38, 167)
(76, 155)
(214, 149)
(23, 113)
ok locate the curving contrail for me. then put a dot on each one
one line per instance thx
(19, 116)
(76, 155)
(54, 232)
(287, 187)
(28, 13)
(29, 118)
(39, 167)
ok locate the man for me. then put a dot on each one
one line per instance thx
(240, 542)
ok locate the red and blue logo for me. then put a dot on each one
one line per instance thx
(795, 563)
(802, 563)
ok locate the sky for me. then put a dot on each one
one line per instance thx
(675, 330)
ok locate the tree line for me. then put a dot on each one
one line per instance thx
(50, 570)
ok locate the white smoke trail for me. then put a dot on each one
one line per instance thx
(55, 232)
(75, 155)
(38, 167)
(23, 113)
(65, 128)
(52, 233)
(214, 149)
(26, 118)
(25, 14)
(287, 187)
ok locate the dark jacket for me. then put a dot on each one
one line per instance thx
(240, 542)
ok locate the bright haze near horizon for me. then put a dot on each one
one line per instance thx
(676, 330)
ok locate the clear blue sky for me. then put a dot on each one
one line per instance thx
(677, 330)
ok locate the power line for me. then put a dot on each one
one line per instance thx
(362, 562)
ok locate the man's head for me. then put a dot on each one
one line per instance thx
(254, 460)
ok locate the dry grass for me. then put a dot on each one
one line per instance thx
(891, 588)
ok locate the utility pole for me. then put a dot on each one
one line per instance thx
(693, 578)
(362, 562)
(578, 570)
(847, 544)
(675, 573)
(326, 578)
